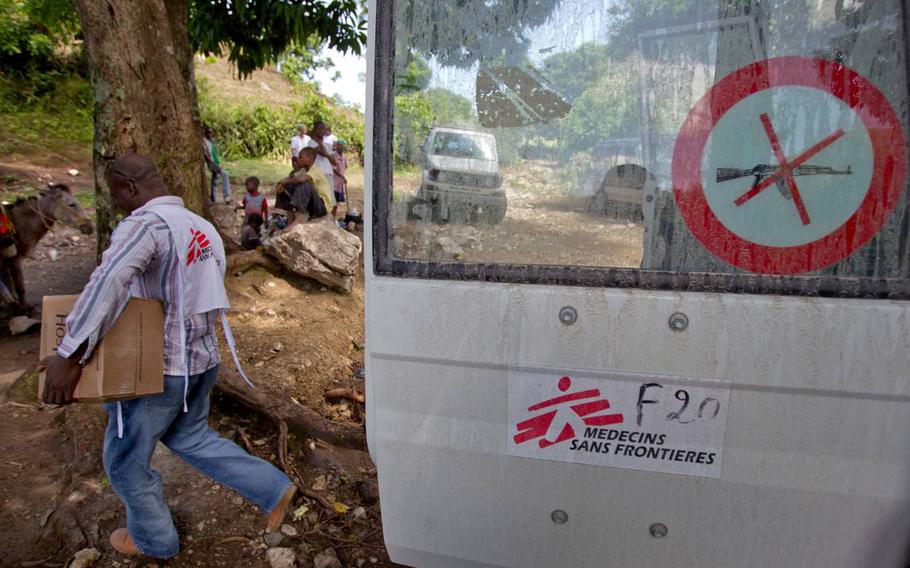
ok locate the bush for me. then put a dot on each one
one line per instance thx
(413, 119)
(249, 129)
(38, 46)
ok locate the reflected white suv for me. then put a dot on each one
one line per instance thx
(461, 180)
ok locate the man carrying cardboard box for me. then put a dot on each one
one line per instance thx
(161, 251)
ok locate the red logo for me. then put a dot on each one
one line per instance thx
(545, 425)
(200, 247)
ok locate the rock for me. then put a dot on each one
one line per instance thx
(327, 559)
(319, 250)
(278, 348)
(264, 86)
(273, 539)
(21, 324)
(359, 512)
(282, 557)
(288, 530)
(53, 254)
(227, 221)
(449, 246)
(85, 558)
(73, 172)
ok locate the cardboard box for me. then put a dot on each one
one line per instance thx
(129, 360)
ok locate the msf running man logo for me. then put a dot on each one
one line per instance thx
(200, 247)
(559, 424)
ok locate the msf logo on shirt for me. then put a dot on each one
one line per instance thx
(200, 248)
(563, 414)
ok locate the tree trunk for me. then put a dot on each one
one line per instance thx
(144, 95)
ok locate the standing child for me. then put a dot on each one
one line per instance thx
(254, 203)
(341, 170)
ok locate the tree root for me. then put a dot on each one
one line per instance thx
(243, 261)
(281, 408)
(349, 394)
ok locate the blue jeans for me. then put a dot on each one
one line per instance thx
(225, 184)
(160, 417)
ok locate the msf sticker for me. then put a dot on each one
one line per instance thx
(553, 427)
(660, 424)
(200, 248)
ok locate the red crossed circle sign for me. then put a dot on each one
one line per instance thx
(888, 169)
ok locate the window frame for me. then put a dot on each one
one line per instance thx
(597, 277)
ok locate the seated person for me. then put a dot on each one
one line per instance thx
(303, 167)
(302, 191)
(250, 233)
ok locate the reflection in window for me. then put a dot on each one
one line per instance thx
(544, 133)
(454, 145)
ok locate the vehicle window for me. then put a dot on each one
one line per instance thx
(453, 145)
(764, 137)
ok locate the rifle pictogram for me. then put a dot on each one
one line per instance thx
(762, 171)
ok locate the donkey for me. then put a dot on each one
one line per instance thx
(33, 217)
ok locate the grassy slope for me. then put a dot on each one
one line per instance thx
(57, 130)
(264, 86)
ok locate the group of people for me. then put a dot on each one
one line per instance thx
(308, 193)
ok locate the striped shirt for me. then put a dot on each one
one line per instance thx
(142, 249)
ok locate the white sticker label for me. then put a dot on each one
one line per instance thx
(648, 423)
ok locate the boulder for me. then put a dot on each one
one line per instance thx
(228, 223)
(318, 250)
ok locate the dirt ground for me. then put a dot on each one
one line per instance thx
(543, 225)
(296, 339)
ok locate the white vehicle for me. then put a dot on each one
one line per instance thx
(460, 178)
(725, 383)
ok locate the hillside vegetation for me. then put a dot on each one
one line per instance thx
(256, 117)
(52, 122)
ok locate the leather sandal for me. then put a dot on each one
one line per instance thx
(276, 517)
(122, 542)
